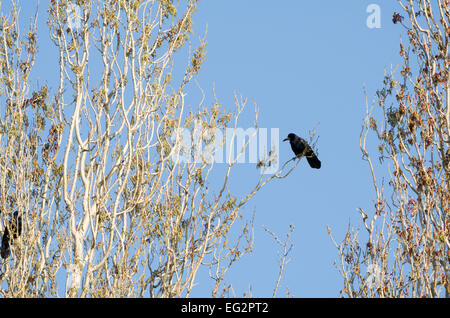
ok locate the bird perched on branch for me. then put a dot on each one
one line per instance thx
(301, 148)
(14, 229)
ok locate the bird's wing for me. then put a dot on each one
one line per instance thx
(313, 161)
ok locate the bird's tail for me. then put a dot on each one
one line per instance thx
(313, 161)
(4, 249)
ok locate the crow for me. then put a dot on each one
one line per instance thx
(14, 227)
(301, 148)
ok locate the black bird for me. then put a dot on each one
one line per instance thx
(301, 148)
(14, 227)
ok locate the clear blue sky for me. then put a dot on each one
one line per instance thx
(303, 63)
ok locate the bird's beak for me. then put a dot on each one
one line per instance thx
(285, 139)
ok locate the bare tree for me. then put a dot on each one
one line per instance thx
(283, 255)
(91, 166)
(404, 249)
